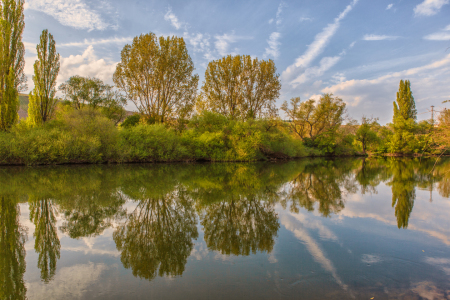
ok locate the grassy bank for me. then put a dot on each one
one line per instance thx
(86, 136)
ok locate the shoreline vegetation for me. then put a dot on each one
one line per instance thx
(233, 116)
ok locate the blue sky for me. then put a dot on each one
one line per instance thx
(356, 49)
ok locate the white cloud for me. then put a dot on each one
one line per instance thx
(69, 282)
(429, 7)
(279, 11)
(86, 64)
(317, 46)
(30, 47)
(297, 228)
(375, 37)
(428, 83)
(389, 6)
(223, 42)
(304, 19)
(72, 13)
(114, 40)
(172, 18)
(271, 21)
(325, 64)
(274, 44)
(439, 36)
(370, 258)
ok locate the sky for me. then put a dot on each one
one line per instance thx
(357, 50)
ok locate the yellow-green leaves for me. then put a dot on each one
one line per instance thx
(46, 68)
(12, 62)
(240, 87)
(312, 120)
(156, 74)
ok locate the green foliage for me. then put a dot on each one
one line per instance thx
(92, 92)
(404, 124)
(12, 62)
(316, 124)
(240, 87)
(146, 143)
(157, 75)
(42, 101)
(365, 135)
(131, 121)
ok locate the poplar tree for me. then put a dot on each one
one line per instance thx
(405, 106)
(12, 62)
(46, 68)
(404, 121)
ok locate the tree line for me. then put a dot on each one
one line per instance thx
(157, 75)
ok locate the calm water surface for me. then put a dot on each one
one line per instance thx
(307, 229)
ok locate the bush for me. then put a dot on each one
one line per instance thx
(131, 121)
(145, 143)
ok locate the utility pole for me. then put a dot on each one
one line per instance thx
(432, 115)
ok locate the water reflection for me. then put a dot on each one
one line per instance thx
(157, 211)
(12, 250)
(46, 244)
(321, 182)
(240, 226)
(157, 236)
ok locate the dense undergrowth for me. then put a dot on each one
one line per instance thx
(86, 136)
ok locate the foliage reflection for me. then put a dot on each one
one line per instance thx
(12, 250)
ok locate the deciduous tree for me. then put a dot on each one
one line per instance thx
(241, 87)
(92, 92)
(365, 135)
(312, 120)
(46, 68)
(12, 62)
(157, 75)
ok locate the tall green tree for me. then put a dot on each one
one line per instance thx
(157, 75)
(405, 106)
(46, 68)
(404, 121)
(241, 87)
(12, 62)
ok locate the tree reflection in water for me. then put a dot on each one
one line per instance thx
(43, 215)
(156, 238)
(12, 250)
(241, 226)
(320, 182)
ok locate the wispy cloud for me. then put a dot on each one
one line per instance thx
(318, 45)
(429, 85)
(172, 18)
(304, 19)
(438, 36)
(223, 42)
(72, 13)
(279, 11)
(443, 35)
(114, 40)
(325, 64)
(376, 37)
(429, 7)
(274, 44)
(389, 6)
